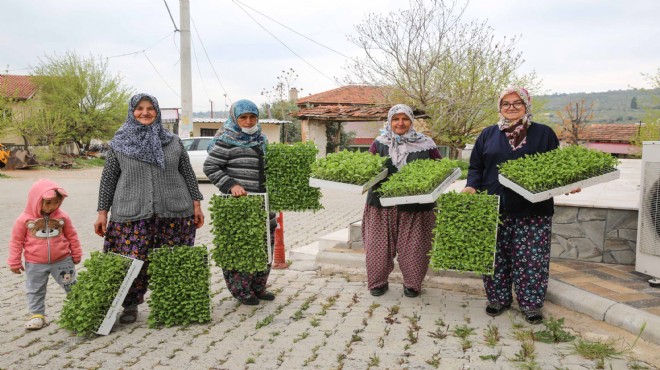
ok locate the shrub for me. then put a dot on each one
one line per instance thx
(288, 169)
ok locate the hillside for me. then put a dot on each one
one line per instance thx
(609, 107)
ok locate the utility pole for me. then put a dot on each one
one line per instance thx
(211, 107)
(186, 72)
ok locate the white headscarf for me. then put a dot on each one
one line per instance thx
(402, 145)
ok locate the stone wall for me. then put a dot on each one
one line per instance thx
(594, 234)
(579, 233)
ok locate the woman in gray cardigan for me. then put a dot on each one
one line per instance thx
(150, 188)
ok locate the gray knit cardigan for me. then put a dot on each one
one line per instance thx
(134, 190)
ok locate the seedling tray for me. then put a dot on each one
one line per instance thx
(464, 231)
(423, 198)
(547, 194)
(356, 189)
(115, 307)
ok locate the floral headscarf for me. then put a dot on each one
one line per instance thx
(402, 145)
(232, 133)
(142, 142)
(516, 132)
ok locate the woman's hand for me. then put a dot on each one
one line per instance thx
(469, 190)
(101, 224)
(17, 270)
(238, 191)
(199, 215)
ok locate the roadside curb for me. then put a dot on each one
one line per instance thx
(606, 310)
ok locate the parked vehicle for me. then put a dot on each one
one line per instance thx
(196, 148)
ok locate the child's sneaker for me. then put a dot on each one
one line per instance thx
(36, 322)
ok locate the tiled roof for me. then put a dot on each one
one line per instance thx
(347, 95)
(362, 141)
(344, 113)
(17, 87)
(610, 132)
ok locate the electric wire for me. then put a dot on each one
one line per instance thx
(161, 76)
(143, 50)
(286, 46)
(209, 59)
(199, 71)
(292, 30)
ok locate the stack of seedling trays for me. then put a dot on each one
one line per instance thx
(542, 176)
(420, 181)
(180, 283)
(465, 233)
(96, 299)
(288, 168)
(354, 172)
(241, 232)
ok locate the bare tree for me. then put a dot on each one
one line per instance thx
(279, 106)
(575, 116)
(434, 60)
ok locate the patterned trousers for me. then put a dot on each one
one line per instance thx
(388, 233)
(136, 239)
(522, 259)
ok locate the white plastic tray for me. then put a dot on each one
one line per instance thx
(424, 198)
(113, 311)
(357, 189)
(547, 194)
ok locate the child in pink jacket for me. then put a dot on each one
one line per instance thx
(44, 235)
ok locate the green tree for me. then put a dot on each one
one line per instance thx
(90, 101)
(650, 130)
(279, 105)
(633, 103)
(434, 60)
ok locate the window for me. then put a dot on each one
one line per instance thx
(207, 132)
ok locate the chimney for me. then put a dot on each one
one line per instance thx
(293, 94)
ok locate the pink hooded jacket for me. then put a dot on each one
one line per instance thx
(43, 239)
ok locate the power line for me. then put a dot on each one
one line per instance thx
(161, 76)
(143, 50)
(285, 45)
(209, 59)
(292, 30)
(176, 29)
(199, 71)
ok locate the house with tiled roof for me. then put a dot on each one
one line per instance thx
(359, 109)
(15, 90)
(611, 138)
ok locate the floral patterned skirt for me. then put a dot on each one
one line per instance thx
(136, 239)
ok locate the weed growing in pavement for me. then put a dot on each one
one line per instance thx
(371, 309)
(250, 360)
(374, 361)
(438, 333)
(492, 335)
(434, 360)
(280, 358)
(554, 332)
(526, 352)
(267, 320)
(597, 350)
(314, 322)
(493, 357)
(440, 322)
(301, 336)
(315, 354)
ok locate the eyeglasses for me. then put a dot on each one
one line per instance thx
(516, 104)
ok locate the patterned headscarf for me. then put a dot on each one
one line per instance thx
(233, 134)
(141, 142)
(516, 132)
(402, 145)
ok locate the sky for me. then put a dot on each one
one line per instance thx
(572, 45)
